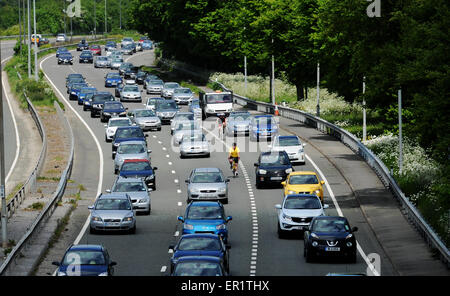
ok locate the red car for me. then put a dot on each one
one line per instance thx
(142, 39)
(96, 50)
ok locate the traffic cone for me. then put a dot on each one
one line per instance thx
(276, 110)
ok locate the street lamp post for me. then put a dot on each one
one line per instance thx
(2, 165)
(20, 28)
(29, 40)
(400, 140)
(106, 26)
(318, 90)
(273, 77)
(120, 24)
(35, 43)
(95, 22)
(364, 110)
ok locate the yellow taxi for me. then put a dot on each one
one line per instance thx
(303, 182)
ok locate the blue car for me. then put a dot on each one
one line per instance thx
(112, 79)
(60, 50)
(65, 58)
(263, 126)
(127, 133)
(85, 260)
(112, 109)
(118, 89)
(74, 90)
(88, 100)
(200, 245)
(147, 44)
(199, 266)
(84, 92)
(140, 168)
(206, 217)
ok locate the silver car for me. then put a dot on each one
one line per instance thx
(113, 211)
(151, 103)
(194, 145)
(102, 62)
(180, 117)
(207, 184)
(113, 124)
(116, 63)
(292, 145)
(238, 123)
(127, 49)
(154, 86)
(136, 189)
(146, 119)
(126, 41)
(182, 95)
(130, 150)
(297, 211)
(168, 89)
(131, 93)
(184, 128)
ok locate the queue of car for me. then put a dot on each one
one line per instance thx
(203, 248)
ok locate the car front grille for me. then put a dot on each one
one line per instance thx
(111, 220)
(207, 191)
(301, 220)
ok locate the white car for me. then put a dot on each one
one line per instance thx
(168, 88)
(126, 41)
(194, 145)
(297, 211)
(292, 145)
(112, 126)
(61, 37)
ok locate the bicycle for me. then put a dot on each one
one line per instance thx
(234, 165)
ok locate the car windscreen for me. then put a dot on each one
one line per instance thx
(197, 269)
(131, 149)
(132, 88)
(153, 101)
(274, 159)
(117, 60)
(239, 117)
(78, 86)
(76, 80)
(135, 166)
(199, 243)
(113, 106)
(182, 91)
(144, 113)
(302, 203)
(303, 179)
(119, 122)
(129, 133)
(84, 257)
(171, 85)
(207, 177)
(112, 75)
(218, 98)
(85, 90)
(111, 204)
(102, 98)
(330, 225)
(156, 82)
(204, 212)
(129, 187)
(102, 59)
(86, 55)
(163, 105)
(181, 116)
(289, 141)
(95, 47)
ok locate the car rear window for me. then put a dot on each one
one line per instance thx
(199, 243)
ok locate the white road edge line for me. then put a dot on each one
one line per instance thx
(338, 209)
(16, 130)
(100, 151)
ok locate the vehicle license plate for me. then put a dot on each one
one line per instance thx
(112, 223)
(85, 60)
(332, 249)
(220, 114)
(276, 178)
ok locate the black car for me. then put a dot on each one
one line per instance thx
(199, 266)
(83, 45)
(330, 236)
(65, 58)
(86, 57)
(112, 109)
(98, 100)
(140, 77)
(272, 168)
(61, 50)
(200, 244)
(131, 72)
(124, 67)
(73, 80)
(73, 76)
(127, 133)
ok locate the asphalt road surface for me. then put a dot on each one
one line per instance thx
(255, 246)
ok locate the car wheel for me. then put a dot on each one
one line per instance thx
(308, 255)
(258, 184)
(159, 128)
(116, 171)
(149, 211)
(181, 156)
(352, 258)
(92, 115)
(80, 103)
(208, 155)
(225, 201)
(92, 230)
(84, 108)
(280, 232)
(133, 230)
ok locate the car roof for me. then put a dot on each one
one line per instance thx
(86, 247)
(184, 113)
(206, 170)
(239, 112)
(131, 142)
(303, 173)
(273, 152)
(121, 179)
(129, 127)
(303, 196)
(136, 160)
(103, 93)
(205, 203)
(330, 218)
(200, 258)
(196, 235)
(116, 195)
(287, 137)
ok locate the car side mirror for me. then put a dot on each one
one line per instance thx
(304, 144)
(105, 125)
(322, 182)
(229, 218)
(278, 206)
(283, 183)
(171, 247)
(113, 263)
(354, 229)
(228, 247)
(146, 136)
(325, 206)
(186, 181)
(108, 190)
(180, 218)
(255, 164)
(56, 263)
(149, 151)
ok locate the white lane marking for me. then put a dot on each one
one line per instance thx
(180, 203)
(178, 190)
(163, 269)
(16, 130)
(173, 172)
(177, 233)
(170, 163)
(338, 209)
(100, 151)
(176, 180)
(167, 155)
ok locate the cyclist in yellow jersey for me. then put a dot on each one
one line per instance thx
(234, 155)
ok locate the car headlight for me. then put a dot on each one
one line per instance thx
(61, 273)
(194, 190)
(314, 235)
(106, 113)
(150, 177)
(223, 190)
(300, 150)
(315, 244)
(317, 192)
(128, 219)
(97, 219)
(188, 226)
(288, 171)
(221, 227)
(123, 113)
(291, 192)
(116, 144)
(349, 236)
(262, 172)
(144, 200)
(287, 218)
(103, 274)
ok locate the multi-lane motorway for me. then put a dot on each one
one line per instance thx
(255, 246)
